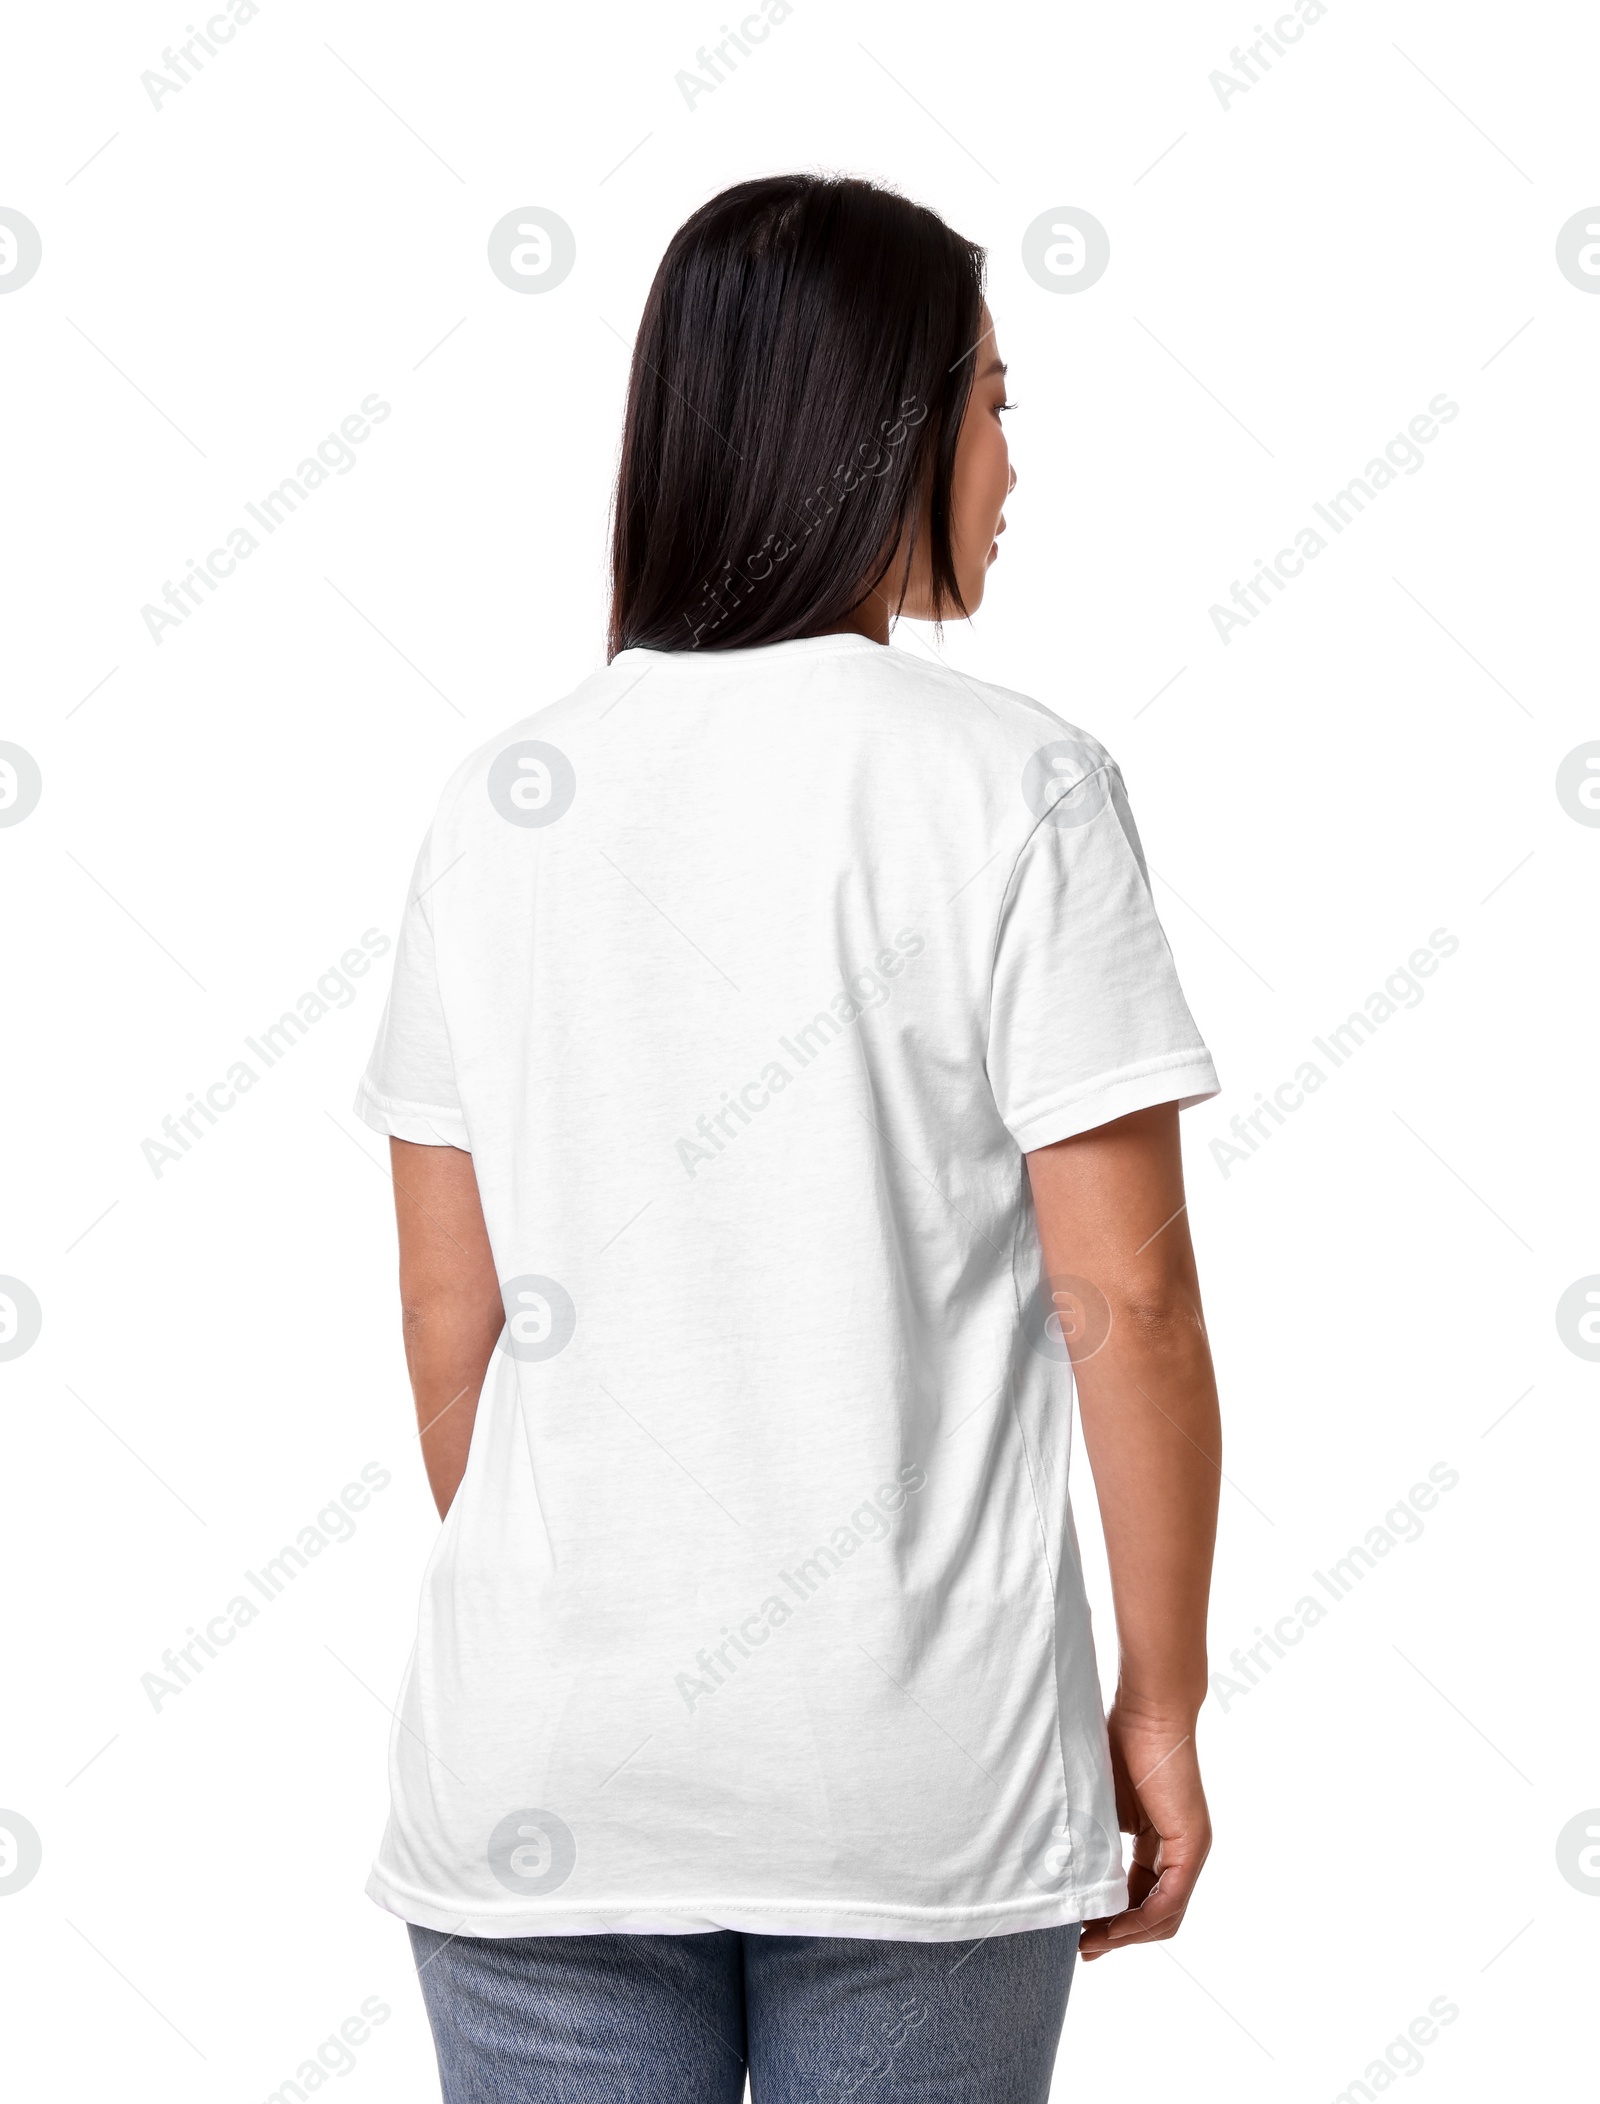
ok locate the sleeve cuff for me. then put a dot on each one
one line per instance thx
(424, 1124)
(1185, 1078)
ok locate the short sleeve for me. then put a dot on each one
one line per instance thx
(409, 1088)
(1087, 1019)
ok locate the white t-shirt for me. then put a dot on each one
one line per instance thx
(748, 977)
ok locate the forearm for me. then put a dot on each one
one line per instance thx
(1119, 1266)
(448, 1348)
(450, 1302)
(1148, 1402)
(1114, 1233)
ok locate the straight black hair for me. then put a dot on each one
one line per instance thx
(799, 378)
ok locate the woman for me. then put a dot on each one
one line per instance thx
(782, 1073)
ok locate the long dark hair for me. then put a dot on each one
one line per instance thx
(799, 379)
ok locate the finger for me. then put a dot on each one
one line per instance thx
(1142, 1881)
(1124, 1930)
(1090, 1952)
(1152, 1920)
(1148, 1844)
(1129, 1816)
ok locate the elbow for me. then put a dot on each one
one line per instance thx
(1161, 1319)
(427, 1315)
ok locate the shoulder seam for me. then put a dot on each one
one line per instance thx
(1106, 766)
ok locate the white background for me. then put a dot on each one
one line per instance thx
(223, 814)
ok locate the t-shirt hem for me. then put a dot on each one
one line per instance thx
(1188, 1077)
(424, 1124)
(866, 1919)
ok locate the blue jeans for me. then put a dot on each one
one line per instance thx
(679, 2019)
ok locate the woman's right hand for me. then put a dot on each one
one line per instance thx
(1162, 1804)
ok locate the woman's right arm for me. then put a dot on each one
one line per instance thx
(451, 1312)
